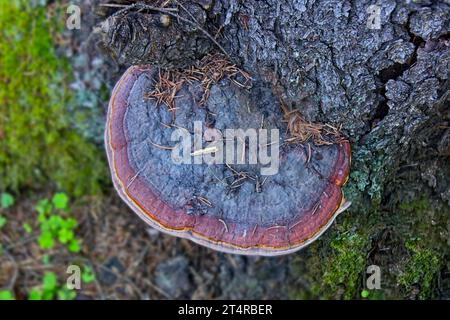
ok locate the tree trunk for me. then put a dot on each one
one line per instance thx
(381, 72)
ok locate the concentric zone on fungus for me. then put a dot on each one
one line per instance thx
(292, 209)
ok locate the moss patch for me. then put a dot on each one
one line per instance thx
(346, 265)
(426, 245)
(335, 265)
(420, 270)
(37, 144)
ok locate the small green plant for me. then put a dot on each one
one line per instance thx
(55, 224)
(6, 295)
(88, 275)
(51, 289)
(60, 201)
(7, 200)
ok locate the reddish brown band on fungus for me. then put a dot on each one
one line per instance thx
(207, 230)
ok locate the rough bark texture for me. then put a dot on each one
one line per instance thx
(387, 87)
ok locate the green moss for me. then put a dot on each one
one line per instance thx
(345, 266)
(426, 245)
(366, 234)
(335, 265)
(427, 220)
(37, 144)
(421, 269)
(418, 205)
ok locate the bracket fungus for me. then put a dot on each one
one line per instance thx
(229, 206)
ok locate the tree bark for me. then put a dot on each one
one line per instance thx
(386, 84)
(385, 81)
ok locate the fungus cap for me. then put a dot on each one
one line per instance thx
(230, 208)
